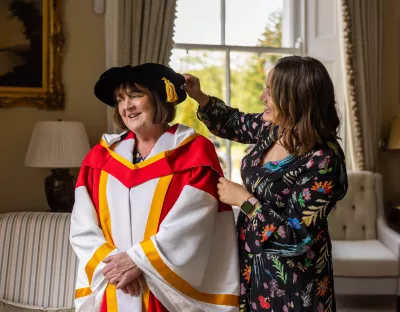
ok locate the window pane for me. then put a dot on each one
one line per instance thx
(209, 67)
(259, 23)
(198, 22)
(248, 75)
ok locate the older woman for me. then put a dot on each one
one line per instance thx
(147, 225)
(293, 177)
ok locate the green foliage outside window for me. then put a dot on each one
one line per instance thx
(247, 80)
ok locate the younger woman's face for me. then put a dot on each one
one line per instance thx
(269, 107)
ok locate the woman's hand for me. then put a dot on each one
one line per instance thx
(232, 193)
(135, 287)
(193, 88)
(120, 270)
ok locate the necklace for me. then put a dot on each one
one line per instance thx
(137, 157)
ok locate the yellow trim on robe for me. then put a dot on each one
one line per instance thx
(146, 299)
(188, 139)
(98, 256)
(105, 219)
(146, 162)
(153, 220)
(180, 284)
(82, 292)
(111, 295)
(105, 222)
(156, 206)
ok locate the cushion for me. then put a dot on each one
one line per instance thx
(368, 258)
(354, 217)
(7, 306)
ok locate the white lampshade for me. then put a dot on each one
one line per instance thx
(57, 144)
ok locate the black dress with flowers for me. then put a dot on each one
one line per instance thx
(284, 246)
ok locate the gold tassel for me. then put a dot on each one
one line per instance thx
(170, 89)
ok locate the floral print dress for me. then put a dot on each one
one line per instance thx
(284, 246)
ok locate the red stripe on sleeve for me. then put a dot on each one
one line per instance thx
(223, 207)
(94, 193)
(202, 178)
(82, 177)
(206, 179)
(103, 307)
(128, 136)
(179, 180)
(90, 179)
(97, 156)
(172, 129)
(155, 305)
(191, 155)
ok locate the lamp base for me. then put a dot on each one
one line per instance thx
(60, 190)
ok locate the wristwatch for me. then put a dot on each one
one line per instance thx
(249, 204)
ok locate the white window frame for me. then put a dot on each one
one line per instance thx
(290, 6)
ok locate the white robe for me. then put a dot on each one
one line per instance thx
(165, 214)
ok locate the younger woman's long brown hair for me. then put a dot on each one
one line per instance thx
(304, 99)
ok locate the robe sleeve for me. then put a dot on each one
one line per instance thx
(229, 123)
(315, 191)
(88, 241)
(191, 264)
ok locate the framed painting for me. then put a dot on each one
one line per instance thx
(31, 45)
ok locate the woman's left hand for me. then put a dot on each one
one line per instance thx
(120, 269)
(232, 193)
(135, 287)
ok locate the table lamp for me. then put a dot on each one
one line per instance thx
(58, 145)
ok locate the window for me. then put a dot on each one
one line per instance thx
(230, 45)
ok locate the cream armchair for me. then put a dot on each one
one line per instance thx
(365, 250)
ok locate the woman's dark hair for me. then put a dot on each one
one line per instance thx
(164, 112)
(304, 99)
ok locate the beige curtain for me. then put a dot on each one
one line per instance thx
(137, 32)
(362, 32)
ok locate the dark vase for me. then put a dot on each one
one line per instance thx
(60, 190)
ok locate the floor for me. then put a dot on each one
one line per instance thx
(367, 304)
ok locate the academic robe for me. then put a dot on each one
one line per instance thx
(165, 214)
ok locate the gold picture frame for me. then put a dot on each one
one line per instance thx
(31, 54)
